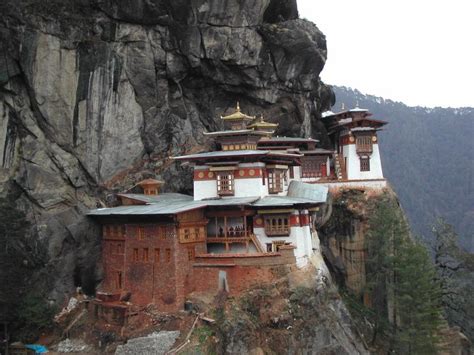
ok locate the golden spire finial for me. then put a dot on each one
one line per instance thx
(238, 106)
(343, 107)
(357, 104)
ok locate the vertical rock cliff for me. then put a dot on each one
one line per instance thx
(96, 93)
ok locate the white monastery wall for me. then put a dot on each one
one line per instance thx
(353, 164)
(205, 189)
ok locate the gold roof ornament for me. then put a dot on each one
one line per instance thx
(261, 123)
(343, 107)
(237, 115)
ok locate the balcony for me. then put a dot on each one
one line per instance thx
(364, 149)
(364, 145)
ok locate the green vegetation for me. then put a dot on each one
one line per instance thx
(401, 282)
(24, 309)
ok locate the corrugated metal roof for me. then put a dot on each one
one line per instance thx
(231, 201)
(163, 208)
(361, 129)
(327, 114)
(315, 192)
(222, 153)
(317, 151)
(289, 139)
(235, 153)
(158, 198)
(237, 132)
(165, 204)
(279, 201)
(358, 109)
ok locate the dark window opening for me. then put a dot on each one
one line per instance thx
(364, 164)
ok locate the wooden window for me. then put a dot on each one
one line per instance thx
(277, 225)
(162, 232)
(269, 247)
(292, 172)
(135, 255)
(313, 166)
(186, 234)
(169, 232)
(197, 233)
(277, 244)
(157, 255)
(191, 254)
(119, 248)
(364, 164)
(276, 179)
(118, 280)
(168, 255)
(140, 233)
(145, 255)
(364, 144)
(225, 183)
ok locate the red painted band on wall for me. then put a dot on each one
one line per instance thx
(294, 220)
(243, 173)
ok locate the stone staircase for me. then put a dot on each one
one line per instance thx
(339, 167)
(257, 244)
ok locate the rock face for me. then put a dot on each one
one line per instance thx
(298, 314)
(153, 344)
(95, 94)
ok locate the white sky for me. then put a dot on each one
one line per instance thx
(420, 52)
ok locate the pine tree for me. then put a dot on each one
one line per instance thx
(418, 297)
(401, 282)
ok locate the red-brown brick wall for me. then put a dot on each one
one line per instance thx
(239, 278)
(242, 271)
(164, 280)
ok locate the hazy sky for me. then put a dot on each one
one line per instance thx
(420, 52)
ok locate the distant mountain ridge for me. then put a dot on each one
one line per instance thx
(428, 157)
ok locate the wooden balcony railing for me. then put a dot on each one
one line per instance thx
(215, 240)
(364, 148)
(276, 230)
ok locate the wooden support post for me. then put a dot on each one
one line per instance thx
(227, 246)
(245, 227)
(225, 226)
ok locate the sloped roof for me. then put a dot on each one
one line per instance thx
(281, 201)
(237, 115)
(313, 192)
(162, 208)
(289, 139)
(235, 153)
(157, 198)
(231, 201)
(298, 193)
(237, 132)
(150, 182)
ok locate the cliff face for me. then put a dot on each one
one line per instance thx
(95, 94)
